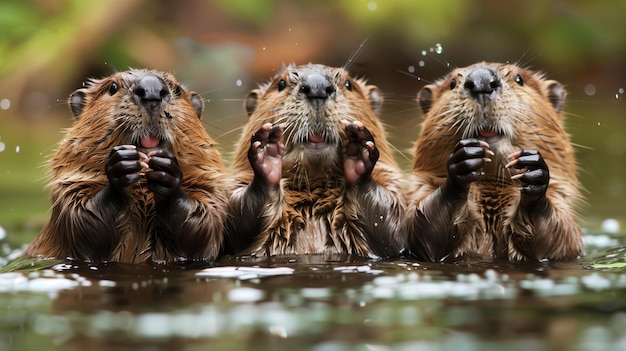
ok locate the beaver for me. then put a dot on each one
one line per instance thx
(313, 172)
(137, 177)
(494, 171)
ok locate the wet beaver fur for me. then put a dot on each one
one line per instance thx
(313, 172)
(137, 177)
(494, 170)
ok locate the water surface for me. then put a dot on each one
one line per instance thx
(320, 303)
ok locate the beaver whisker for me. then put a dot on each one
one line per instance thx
(495, 217)
(124, 229)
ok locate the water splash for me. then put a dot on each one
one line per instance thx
(438, 49)
(610, 225)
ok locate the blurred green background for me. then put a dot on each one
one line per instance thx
(222, 49)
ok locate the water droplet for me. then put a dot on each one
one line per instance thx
(610, 225)
(372, 5)
(616, 96)
(264, 48)
(411, 69)
(431, 49)
(239, 82)
(5, 104)
(438, 48)
(422, 63)
(419, 78)
(590, 89)
(424, 53)
(17, 149)
(2, 146)
(621, 90)
(290, 29)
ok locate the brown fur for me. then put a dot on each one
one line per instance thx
(312, 209)
(490, 220)
(88, 225)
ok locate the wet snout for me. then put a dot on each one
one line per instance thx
(482, 84)
(150, 91)
(315, 86)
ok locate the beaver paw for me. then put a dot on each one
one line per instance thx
(533, 173)
(466, 162)
(266, 153)
(165, 176)
(123, 168)
(359, 151)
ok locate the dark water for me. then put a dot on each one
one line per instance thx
(320, 303)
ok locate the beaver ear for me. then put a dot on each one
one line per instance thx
(251, 101)
(425, 98)
(77, 102)
(197, 102)
(375, 96)
(556, 94)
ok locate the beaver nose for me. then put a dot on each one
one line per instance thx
(151, 88)
(316, 86)
(482, 81)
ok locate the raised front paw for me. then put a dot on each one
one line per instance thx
(266, 153)
(123, 167)
(466, 161)
(532, 172)
(164, 176)
(359, 152)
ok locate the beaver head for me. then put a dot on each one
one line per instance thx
(312, 100)
(137, 107)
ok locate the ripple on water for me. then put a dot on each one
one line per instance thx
(244, 273)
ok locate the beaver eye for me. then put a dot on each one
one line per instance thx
(177, 90)
(519, 80)
(282, 85)
(113, 88)
(348, 84)
(453, 84)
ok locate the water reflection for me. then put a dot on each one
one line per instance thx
(319, 303)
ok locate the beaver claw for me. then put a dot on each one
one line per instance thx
(266, 152)
(165, 176)
(533, 173)
(360, 152)
(123, 168)
(466, 161)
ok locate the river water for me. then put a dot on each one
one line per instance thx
(319, 303)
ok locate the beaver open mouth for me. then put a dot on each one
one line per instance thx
(489, 136)
(315, 141)
(149, 141)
